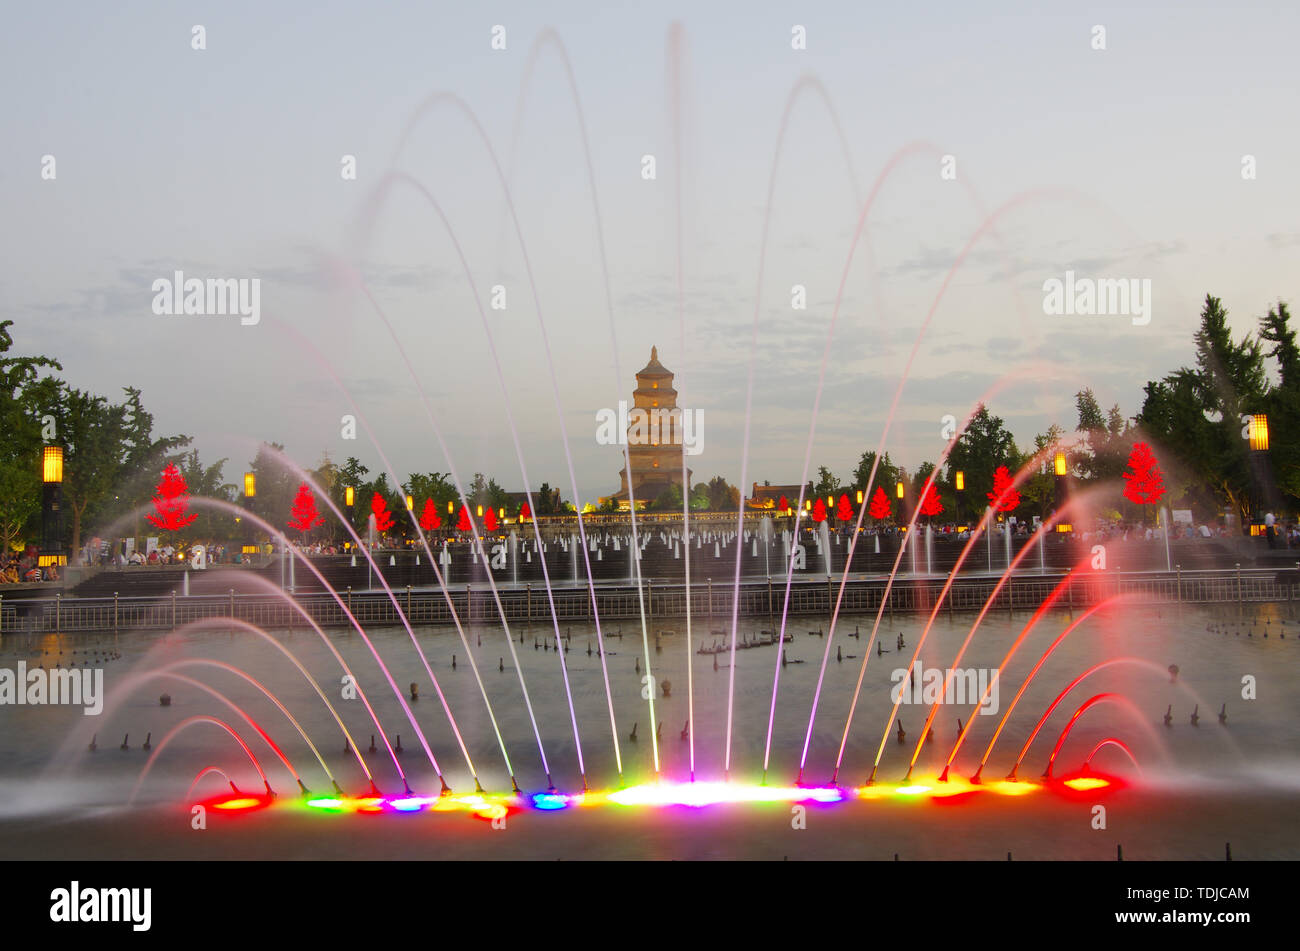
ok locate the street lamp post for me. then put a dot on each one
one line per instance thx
(51, 507)
(250, 492)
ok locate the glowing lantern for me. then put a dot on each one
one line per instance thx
(1258, 432)
(52, 464)
(1060, 463)
(250, 485)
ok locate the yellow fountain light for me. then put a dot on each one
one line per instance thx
(52, 464)
(250, 485)
(1084, 783)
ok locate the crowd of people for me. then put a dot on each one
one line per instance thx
(26, 566)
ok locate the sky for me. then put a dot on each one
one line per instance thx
(1169, 156)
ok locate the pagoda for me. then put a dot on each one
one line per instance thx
(654, 439)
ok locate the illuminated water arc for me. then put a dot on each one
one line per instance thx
(311, 622)
(1036, 539)
(985, 226)
(1118, 744)
(131, 680)
(1051, 707)
(848, 562)
(302, 474)
(231, 668)
(1091, 702)
(1020, 476)
(1113, 599)
(1048, 602)
(821, 380)
(609, 306)
(204, 772)
(185, 724)
(514, 432)
(433, 563)
(230, 507)
(550, 363)
(803, 83)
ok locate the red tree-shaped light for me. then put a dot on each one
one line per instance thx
(880, 505)
(429, 517)
(819, 511)
(1001, 484)
(783, 505)
(463, 523)
(843, 510)
(383, 517)
(303, 516)
(930, 505)
(490, 520)
(1144, 482)
(525, 513)
(172, 500)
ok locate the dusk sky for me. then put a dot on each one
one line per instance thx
(225, 162)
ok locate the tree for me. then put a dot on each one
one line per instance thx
(525, 513)
(463, 524)
(94, 435)
(275, 484)
(881, 507)
(783, 505)
(844, 510)
(985, 444)
(208, 482)
(930, 503)
(383, 517)
(1004, 496)
(429, 517)
(24, 391)
(1144, 482)
(490, 519)
(171, 502)
(1195, 413)
(723, 496)
(827, 482)
(819, 510)
(304, 517)
(670, 499)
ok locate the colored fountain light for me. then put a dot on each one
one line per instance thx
(1082, 783)
(711, 793)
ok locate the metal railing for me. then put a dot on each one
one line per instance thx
(711, 603)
